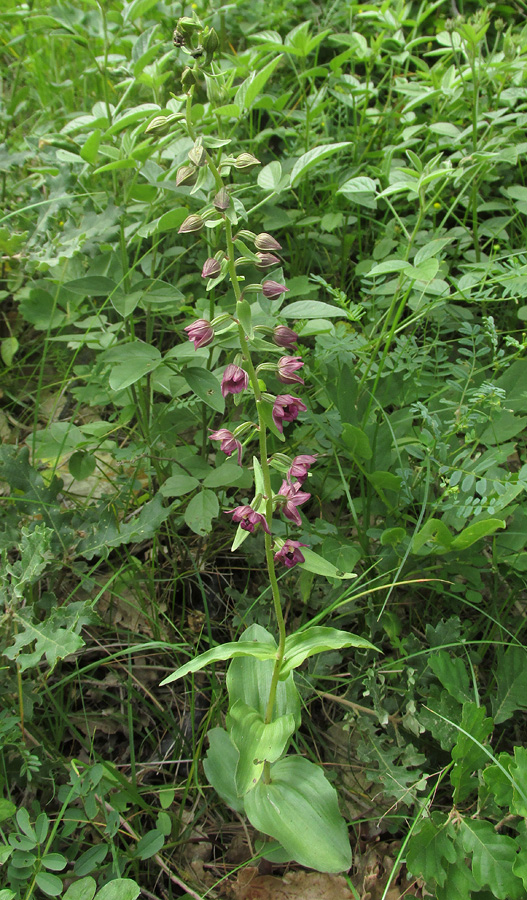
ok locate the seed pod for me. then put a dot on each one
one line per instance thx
(187, 26)
(211, 42)
(198, 155)
(191, 224)
(266, 242)
(186, 175)
(188, 78)
(222, 201)
(246, 162)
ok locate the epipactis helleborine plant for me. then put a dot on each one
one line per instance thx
(285, 797)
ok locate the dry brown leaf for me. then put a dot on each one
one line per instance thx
(293, 886)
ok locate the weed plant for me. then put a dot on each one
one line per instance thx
(382, 147)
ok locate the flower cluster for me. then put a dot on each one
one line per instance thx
(236, 379)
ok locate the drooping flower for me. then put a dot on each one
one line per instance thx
(290, 554)
(266, 242)
(234, 381)
(273, 289)
(200, 332)
(211, 268)
(287, 366)
(222, 200)
(248, 518)
(266, 260)
(229, 444)
(286, 409)
(284, 336)
(294, 497)
(300, 467)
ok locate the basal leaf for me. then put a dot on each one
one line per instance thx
(299, 808)
(229, 650)
(317, 639)
(256, 742)
(220, 767)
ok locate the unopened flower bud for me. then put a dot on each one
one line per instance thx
(198, 155)
(187, 26)
(186, 175)
(200, 332)
(284, 336)
(178, 37)
(266, 260)
(159, 126)
(222, 201)
(191, 223)
(211, 42)
(211, 268)
(188, 78)
(246, 162)
(266, 242)
(272, 289)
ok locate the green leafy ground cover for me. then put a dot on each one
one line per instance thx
(390, 142)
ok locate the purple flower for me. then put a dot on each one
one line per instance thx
(229, 444)
(222, 200)
(265, 260)
(211, 268)
(290, 554)
(234, 380)
(294, 497)
(201, 332)
(284, 336)
(286, 409)
(248, 518)
(300, 467)
(272, 289)
(287, 366)
(266, 242)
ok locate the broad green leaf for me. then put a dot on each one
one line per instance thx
(229, 650)
(314, 156)
(321, 566)
(434, 531)
(249, 679)
(388, 267)
(108, 532)
(256, 742)
(431, 848)
(226, 475)
(178, 485)
(54, 861)
(312, 309)
(91, 286)
(385, 481)
(498, 779)
(200, 512)
(254, 84)
(136, 9)
(452, 673)
(460, 882)
(359, 185)
(150, 844)
(90, 859)
(83, 889)
(467, 755)
(116, 165)
(206, 386)
(220, 767)
(171, 220)
(8, 349)
(49, 884)
(130, 117)
(7, 809)
(356, 441)
(493, 856)
(270, 177)
(24, 823)
(90, 148)
(318, 639)
(299, 808)
(138, 359)
(511, 684)
(119, 889)
(81, 465)
(474, 532)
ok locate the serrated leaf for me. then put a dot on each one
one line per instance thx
(518, 771)
(50, 641)
(468, 756)
(299, 793)
(431, 848)
(511, 681)
(108, 532)
(493, 857)
(452, 673)
(312, 157)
